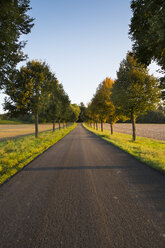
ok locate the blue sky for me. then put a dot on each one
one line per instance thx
(83, 41)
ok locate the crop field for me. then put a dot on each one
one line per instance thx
(9, 131)
(152, 131)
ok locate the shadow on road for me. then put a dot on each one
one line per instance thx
(78, 168)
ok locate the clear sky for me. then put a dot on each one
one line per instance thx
(83, 41)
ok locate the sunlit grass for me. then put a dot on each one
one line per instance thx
(151, 152)
(16, 153)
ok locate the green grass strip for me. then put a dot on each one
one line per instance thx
(16, 153)
(151, 152)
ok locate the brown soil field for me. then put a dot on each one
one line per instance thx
(10, 131)
(152, 131)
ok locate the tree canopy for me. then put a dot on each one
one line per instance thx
(147, 30)
(14, 21)
(82, 116)
(101, 107)
(73, 112)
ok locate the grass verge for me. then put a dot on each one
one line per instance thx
(16, 153)
(151, 152)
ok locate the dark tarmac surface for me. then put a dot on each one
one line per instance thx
(83, 193)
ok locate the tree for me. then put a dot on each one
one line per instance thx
(102, 107)
(14, 22)
(90, 114)
(82, 116)
(52, 101)
(29, 90)
(73, 112)
(134, 91)
(147, 30)
(63, 105)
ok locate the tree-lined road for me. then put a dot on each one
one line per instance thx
(83, 193)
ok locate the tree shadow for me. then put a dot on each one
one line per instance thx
(58, 168)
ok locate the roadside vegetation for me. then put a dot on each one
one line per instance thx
(16, 153)
(151, 152)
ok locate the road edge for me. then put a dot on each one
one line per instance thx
(125, 151)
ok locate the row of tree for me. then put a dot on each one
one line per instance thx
(130, 95)
(33, 89)
(135, 91)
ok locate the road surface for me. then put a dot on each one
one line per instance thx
(83, 193)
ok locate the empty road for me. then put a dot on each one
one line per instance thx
(83, 193)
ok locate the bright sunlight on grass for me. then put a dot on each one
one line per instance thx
(151, 152)
(16, 153)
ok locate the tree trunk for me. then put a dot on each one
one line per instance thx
(36, 124)
(111, 125)
(133, 127)
(101, 126)
(63, 124)
(111, 128)
(59, 125)
(53, 125)
(96, 125)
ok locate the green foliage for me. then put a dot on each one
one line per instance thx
(135, 91)
(73, 112)
(147, 30)
(151, 152)
(154, 116)
(83, 114)
(16, 153)
(14, 22)
(26, 92)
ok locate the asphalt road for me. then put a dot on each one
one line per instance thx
(83, 193)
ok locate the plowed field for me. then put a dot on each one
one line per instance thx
(152, 131)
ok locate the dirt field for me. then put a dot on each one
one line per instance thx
(152, 131)
(8, 131)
